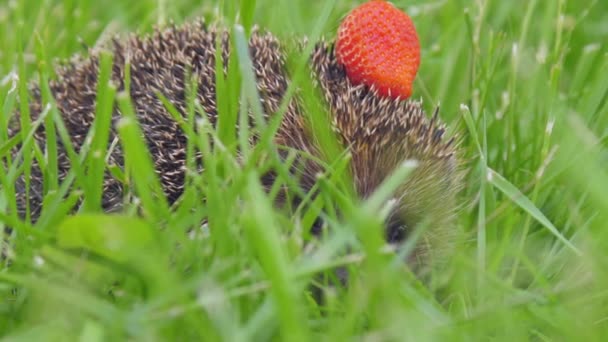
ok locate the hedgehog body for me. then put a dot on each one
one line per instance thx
(381, 133)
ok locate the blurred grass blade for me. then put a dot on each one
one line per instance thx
(263, 235)
(523, 202)
(140, 165)
(89, 304)
(117, 238)
(249, 79)
(101, 132)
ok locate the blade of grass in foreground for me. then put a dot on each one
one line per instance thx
(51, 179)
(101, 129)
(25, 121)
(87, 303)
(263, 235)
(483, 167)
(6, 145)
(139, 163)
(523, 202)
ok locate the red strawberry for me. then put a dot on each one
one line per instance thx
(378, 45)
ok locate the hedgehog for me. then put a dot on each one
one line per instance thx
(380, 133)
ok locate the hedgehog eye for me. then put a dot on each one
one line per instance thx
(317, 227)
(396, 231)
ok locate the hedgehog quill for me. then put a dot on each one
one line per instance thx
(369, 110)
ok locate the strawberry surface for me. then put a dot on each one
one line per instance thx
(378, 46)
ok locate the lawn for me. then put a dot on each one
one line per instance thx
(521, 83)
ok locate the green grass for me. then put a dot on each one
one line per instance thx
(522, 82)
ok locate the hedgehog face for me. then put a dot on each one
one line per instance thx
(382, 133)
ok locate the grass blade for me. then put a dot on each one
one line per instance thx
(523, 202)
